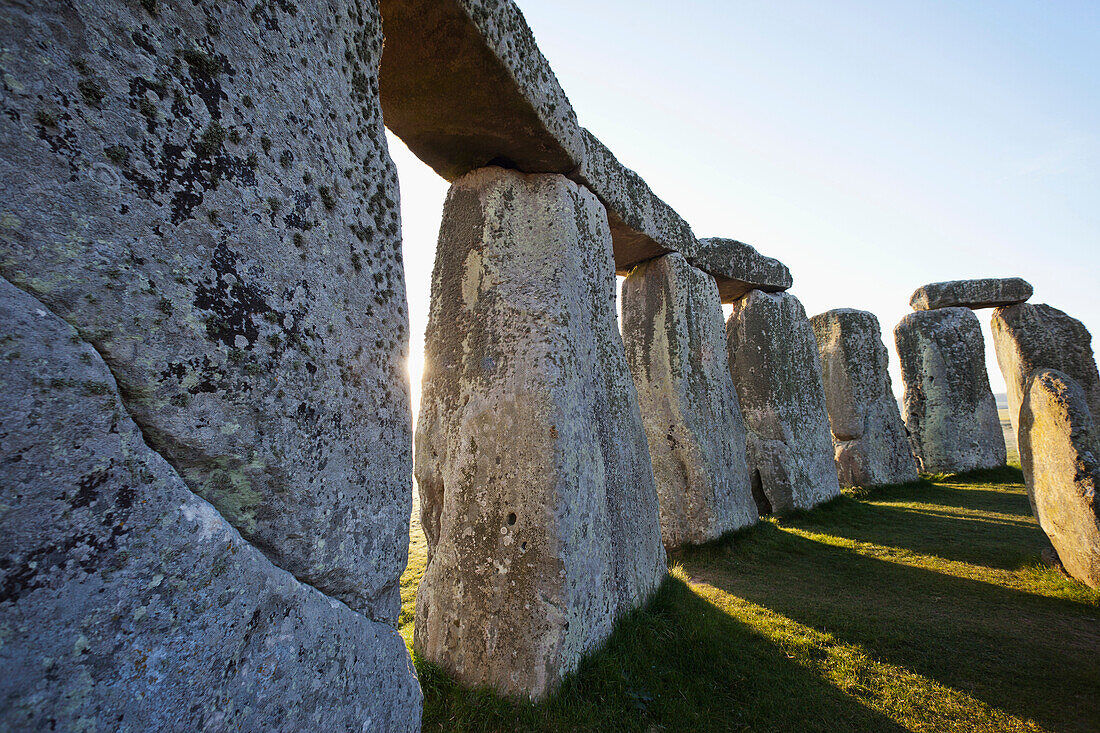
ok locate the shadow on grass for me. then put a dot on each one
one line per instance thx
(679, 664)
(1030, 655)
(938, 528)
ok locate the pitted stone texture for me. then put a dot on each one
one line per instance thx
(211, 204)
(464, 85)
(740, 268)
(949, 408)
(128, 603)
(675, 346)
(537, 496)
(1029, 337)
(872, 447)
(985, 293)
(777, 372)
(1058, 452)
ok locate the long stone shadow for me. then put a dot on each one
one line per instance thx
(990, 542)
(678, 664)
(1029, 655)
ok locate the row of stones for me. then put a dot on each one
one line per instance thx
(557, 458)
(1053, 386)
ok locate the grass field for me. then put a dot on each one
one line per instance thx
(922, 608)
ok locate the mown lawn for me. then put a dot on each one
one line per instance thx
(921, 607)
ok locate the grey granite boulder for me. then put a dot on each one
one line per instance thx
(740, 267)
(1058, 451)
(949, 408)
(872, 446)
(777, 372)
(982, 293)
(537, 495)
(676, 349)
(127, 602)
(203, 191)
(1029, 337)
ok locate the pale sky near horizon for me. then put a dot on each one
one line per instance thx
(871, 146)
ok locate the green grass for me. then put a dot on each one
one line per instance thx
(921, 607)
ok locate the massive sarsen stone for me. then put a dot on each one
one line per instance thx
(206, 196)
(1029, 337)
(949, 408)
(1058, 451)
(675, 346)
(984, 293)
(128, 603)
(537, 495)
(777, 372)
(872, 447)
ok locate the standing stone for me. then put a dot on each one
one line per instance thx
(127, 602)
(675, 346)
(537, 495)
(872, 447)
(1058, 451)
(1029, 337)
(203, 191)
(777, 372)
(949, 407)
(984, 293)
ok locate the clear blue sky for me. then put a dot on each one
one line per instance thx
(872, 146)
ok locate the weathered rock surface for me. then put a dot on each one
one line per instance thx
(1029, 337)
(537, 496)
(1058, 451)
(741, 268)
(209, 201)
(128, 603)
(949, 408)
(777, 372)
(675, 346)
(872, 447)
(982, 293)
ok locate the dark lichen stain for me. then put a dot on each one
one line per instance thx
(233, 302)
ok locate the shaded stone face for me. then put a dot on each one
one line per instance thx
(1058, 452)
(776, 370)
(949, 407)
(872, 447)
(537, 496)
(675, 346)
(983, 293)
(127, 602)
(740, 267)
(1029, 337)
(209, 201)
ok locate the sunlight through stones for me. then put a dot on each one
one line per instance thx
(537, 494)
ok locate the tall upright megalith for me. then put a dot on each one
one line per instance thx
(949, 407)
(129, 603)
(1030, 337)
(203, 192)
(537, 495)
(872, 447)
(675, 346)
(207, 197)
(777, 372)
(1060, 455)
